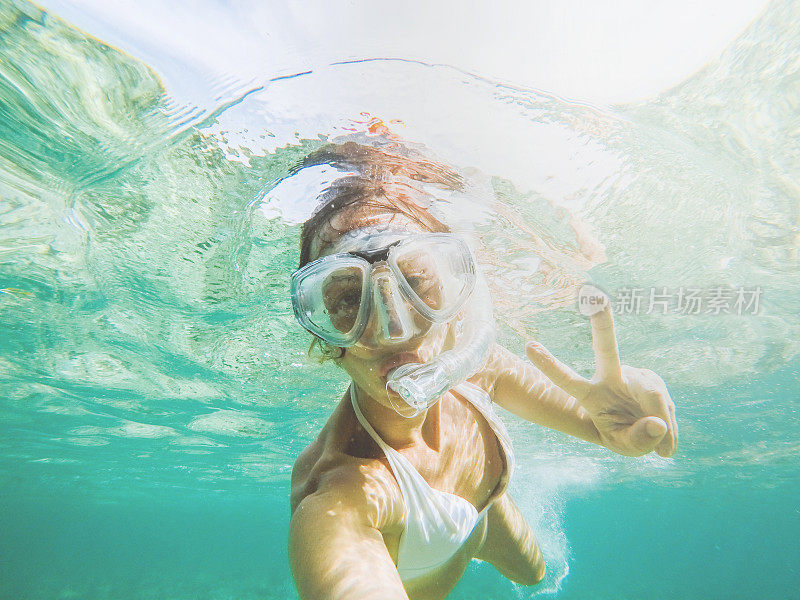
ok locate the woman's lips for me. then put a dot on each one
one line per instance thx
(396, 360)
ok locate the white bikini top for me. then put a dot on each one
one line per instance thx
(438, 523)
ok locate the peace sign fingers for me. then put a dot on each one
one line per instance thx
(606, 352)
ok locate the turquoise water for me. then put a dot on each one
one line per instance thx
(155, 388)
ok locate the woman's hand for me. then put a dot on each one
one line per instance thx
(630, 407)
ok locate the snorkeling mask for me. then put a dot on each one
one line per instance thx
(408, 283)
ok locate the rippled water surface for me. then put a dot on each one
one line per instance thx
(156, 389)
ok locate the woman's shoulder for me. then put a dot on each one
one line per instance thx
(347, 484)
(333, 466)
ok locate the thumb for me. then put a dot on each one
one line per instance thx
(646, 433)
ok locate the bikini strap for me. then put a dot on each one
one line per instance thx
(404, 472)
(365, 424)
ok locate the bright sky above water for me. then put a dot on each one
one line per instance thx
(601, 52)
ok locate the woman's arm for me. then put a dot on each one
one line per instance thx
(335, 552)
(523, 390)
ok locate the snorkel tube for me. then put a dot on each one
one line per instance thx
(420, 385)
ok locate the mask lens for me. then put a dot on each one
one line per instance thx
(420, 271)
(439, 274)
(329, 299)
(341, 294)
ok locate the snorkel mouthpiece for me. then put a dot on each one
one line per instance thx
(418, 385)
(421, 385)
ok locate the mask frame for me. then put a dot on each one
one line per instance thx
(367, 260)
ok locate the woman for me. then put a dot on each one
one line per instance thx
(406, 483)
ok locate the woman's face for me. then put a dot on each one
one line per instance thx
(369, 361)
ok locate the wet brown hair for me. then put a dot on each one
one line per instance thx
(386, 179)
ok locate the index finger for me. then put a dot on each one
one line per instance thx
(557, 372)
(604, 342)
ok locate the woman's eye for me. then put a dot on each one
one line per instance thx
(349, 300)
(341, 298)
(420, 283)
